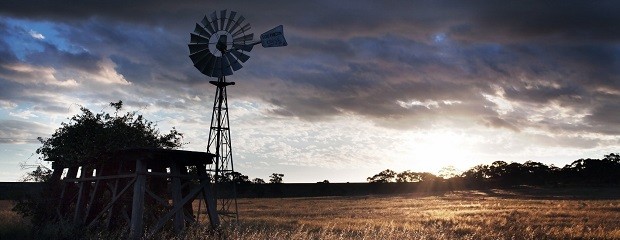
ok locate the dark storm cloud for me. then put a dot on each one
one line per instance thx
(563, 20)
(366, 58)
(54, 57)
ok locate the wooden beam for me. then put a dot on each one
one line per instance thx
(176, 208)
(116, 197)
(137, 208)
(209, 198)
(83, 193)
(177, 196)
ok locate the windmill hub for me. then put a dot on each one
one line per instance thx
(220, 42)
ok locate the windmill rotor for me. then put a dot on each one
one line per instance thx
(220, 43)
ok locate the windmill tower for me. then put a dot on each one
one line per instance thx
(218, 46)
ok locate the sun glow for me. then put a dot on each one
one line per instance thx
(433, 150)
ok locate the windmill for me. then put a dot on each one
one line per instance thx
(218, 46)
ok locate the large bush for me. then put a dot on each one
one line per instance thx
(85, 139)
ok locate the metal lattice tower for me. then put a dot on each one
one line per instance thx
(220, 144)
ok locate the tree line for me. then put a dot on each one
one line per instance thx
(605, 171)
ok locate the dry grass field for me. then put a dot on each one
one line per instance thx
(495, 214)
(456, 215)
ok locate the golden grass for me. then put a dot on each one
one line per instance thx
(458, 215)
(455, 215)
(12, 225)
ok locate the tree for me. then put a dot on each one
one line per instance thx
(258, 181)
(477, 173)
(276, 178)
(39, 174)
(448, 172)
(86, 138)
(408, 176)
(384, 176)
(237, 178)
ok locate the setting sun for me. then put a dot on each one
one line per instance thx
(431, 151)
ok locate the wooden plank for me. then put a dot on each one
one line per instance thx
(111, 204)
(137, 208)
(158, 199)
(83, 193)
(177, 196)
(119, 169)
(92, 179)
(177, 207)
(209, 198)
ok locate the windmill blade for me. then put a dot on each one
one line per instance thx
(196, 57)
(233, 62)
(243, 47)
(244, 38)
(243, 29)
(197, 47)
(194, 38)
(214, 21)
(205, 22)
(226, 69)
(217, 70)
(237, 24)
(222, 18)
(205, 63)
(239, 55)
(201, 31)
(231, 18)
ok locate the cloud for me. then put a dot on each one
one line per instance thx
(36, 35)
(16, 131)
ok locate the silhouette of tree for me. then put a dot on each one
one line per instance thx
(593, 171)
(87, 136)
(39, 174)
(237, 178)
(497, 169)
(276, 178)
(258, 181)
(477, 173)
(448, 172)
(384, 176)
(409, 176)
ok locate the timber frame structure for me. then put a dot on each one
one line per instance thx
(143, 189)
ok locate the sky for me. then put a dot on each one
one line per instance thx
(361, 87)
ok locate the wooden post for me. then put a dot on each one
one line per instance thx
(137, 209)
(114, 190)
(176, 194)
(207, 195)
(84, 192)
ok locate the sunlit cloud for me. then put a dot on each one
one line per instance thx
(36, 35)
